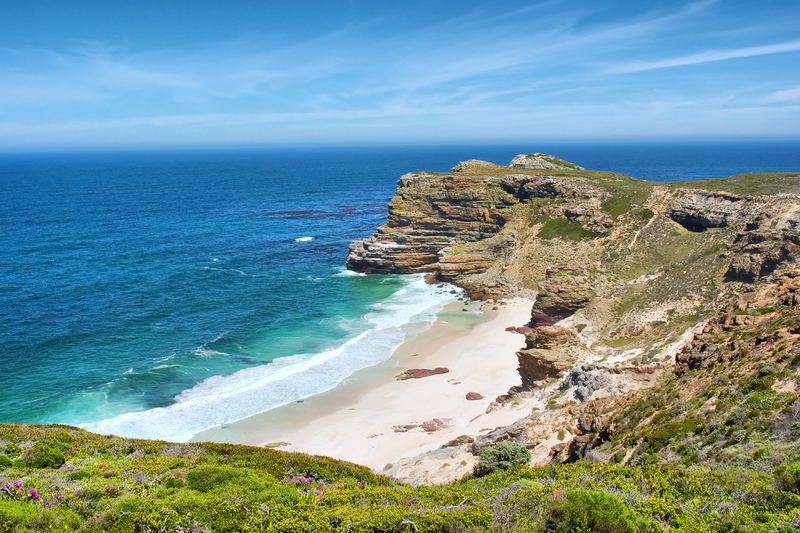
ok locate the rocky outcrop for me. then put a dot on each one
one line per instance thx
(549, 350)
(433, 216)
(768, 241)
(541, 161)
(698, 210)
(565, 290)
(730, 336)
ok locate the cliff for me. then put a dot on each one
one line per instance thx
(641, 288)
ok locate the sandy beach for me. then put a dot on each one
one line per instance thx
(357, 421)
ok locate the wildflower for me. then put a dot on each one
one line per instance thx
(59, 496)
(36, 496)
(226, 455)
(46, 501)
(33, 491)
(17, 484)
(316, 492)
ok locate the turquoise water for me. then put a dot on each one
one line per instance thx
(159, 294)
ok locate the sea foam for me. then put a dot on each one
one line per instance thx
(223, 399)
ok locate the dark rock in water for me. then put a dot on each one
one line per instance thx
(417, 373)
(474, 396)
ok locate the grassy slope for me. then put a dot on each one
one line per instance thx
(134, 485)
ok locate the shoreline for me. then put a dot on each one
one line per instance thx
(355, 421)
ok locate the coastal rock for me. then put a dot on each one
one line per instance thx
(474, 396)
(541, 161)
(473, 165)
(449, 224)
(698, 210)
(565, 290)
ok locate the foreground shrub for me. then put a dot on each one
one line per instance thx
(43, 456)
(581, 510)
(787, 477)
(501, 456)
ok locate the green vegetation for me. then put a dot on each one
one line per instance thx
(565, 229)
(504, 455)
(125, 485)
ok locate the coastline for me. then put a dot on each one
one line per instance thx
(355, 421)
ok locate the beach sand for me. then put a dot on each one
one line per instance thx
(355, 421)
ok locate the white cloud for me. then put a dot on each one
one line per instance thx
(785, 95)
(705, 57)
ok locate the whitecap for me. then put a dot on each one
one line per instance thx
(304, 239)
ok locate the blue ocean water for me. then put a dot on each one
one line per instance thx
(157, 294)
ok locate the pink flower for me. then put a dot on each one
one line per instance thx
(35, 495)
(33, 491)
(17, 484)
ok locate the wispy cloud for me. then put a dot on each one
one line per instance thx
(785, 95)
(541, 61)
(706, 57)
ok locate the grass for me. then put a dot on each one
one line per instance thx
(565, 229)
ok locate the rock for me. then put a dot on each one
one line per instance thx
(459, 441)
(538, 365)
(698, 210)
(473, 165)
(566, 289)
(474, 396)
(513, 432)
(541, 161)
(417, 373)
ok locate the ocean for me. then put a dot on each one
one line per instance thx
(158, 294)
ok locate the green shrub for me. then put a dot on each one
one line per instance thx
(5, 462)
(581, 510)
(42, 455)
(216, 478)
(502, 456)
(787, 477)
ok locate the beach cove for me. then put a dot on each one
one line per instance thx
(368, 419)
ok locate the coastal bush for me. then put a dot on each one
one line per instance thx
(787, 477)
(501, 456)
(581, 510)
(43, 455)
(5, 461)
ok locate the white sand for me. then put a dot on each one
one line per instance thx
(355, 422)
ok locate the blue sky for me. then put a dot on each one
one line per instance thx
(94, 74)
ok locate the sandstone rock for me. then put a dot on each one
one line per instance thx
(566, 289)
(417, 373)
(474, 396)
(538, 365)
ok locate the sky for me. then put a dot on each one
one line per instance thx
(100, 74)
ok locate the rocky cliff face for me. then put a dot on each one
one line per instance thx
(627, 275)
